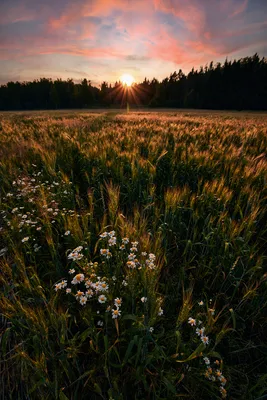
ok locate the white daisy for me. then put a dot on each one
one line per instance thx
(102, 299)
(116, 313)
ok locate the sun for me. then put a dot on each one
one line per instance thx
(127, 79)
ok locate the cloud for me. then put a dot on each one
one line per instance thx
(240, 9)
(135, 33)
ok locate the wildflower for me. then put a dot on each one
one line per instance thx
(160, 312)
(89, 293)
(117, 302)
(112, 241)
(105, 252)
(122, 247)
(72, 271)
(223, 392)
(103, 235)
(201, 303)
(151, 329)
(134, 244)
(111, 233)
(79, 294)
(217, 362)
(222, 380)
(144, 299)
(102, 299)
(150, 264)
(57, 286)
(133, 249)
(60, 285)
(124, 283)
(25, 239)
(131, 256)
(208, 372)
(83, 300)
(125, 240)
(75, 256)
(200, 331)
(151, 257)
(103, 286)
(191, 321)
(116, 313)
(131, 264)
(205, 340)
(207, 375)
(108, 309)
(78, 249)
(144, 253)
(68, 290)
(212, 311)
(88, 283)
(67, 233)
(78, 279)
(100, 323)
(206, 360)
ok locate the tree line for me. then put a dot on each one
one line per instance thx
(239, 85)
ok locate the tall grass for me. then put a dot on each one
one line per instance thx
(191, 190)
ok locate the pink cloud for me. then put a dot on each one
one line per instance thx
(74, 12)
(16, 14)
(206, 18)
(240, 9)
(191, 13)
(117, 29)
(167, 48)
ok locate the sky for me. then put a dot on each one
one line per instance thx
(102, 39)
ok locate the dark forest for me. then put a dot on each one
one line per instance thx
(234, 85)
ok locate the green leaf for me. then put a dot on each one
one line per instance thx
(169, 386)
(129, 317)
(138, 351)
(62, 396)
(233, 317)
(195, 354)
(128, 351)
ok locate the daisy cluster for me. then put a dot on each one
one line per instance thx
(200, 331)
(86, 283)
(144, 260)
(213, 373)
(33, 202)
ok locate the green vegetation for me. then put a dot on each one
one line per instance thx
(170, 301)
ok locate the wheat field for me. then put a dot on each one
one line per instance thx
(133, 255)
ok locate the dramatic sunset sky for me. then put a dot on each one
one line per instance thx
(102, 39)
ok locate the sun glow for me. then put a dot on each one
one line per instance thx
(127, 79)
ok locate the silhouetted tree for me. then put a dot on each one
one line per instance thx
(239, 84)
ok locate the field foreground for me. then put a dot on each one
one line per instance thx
(133, 255)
